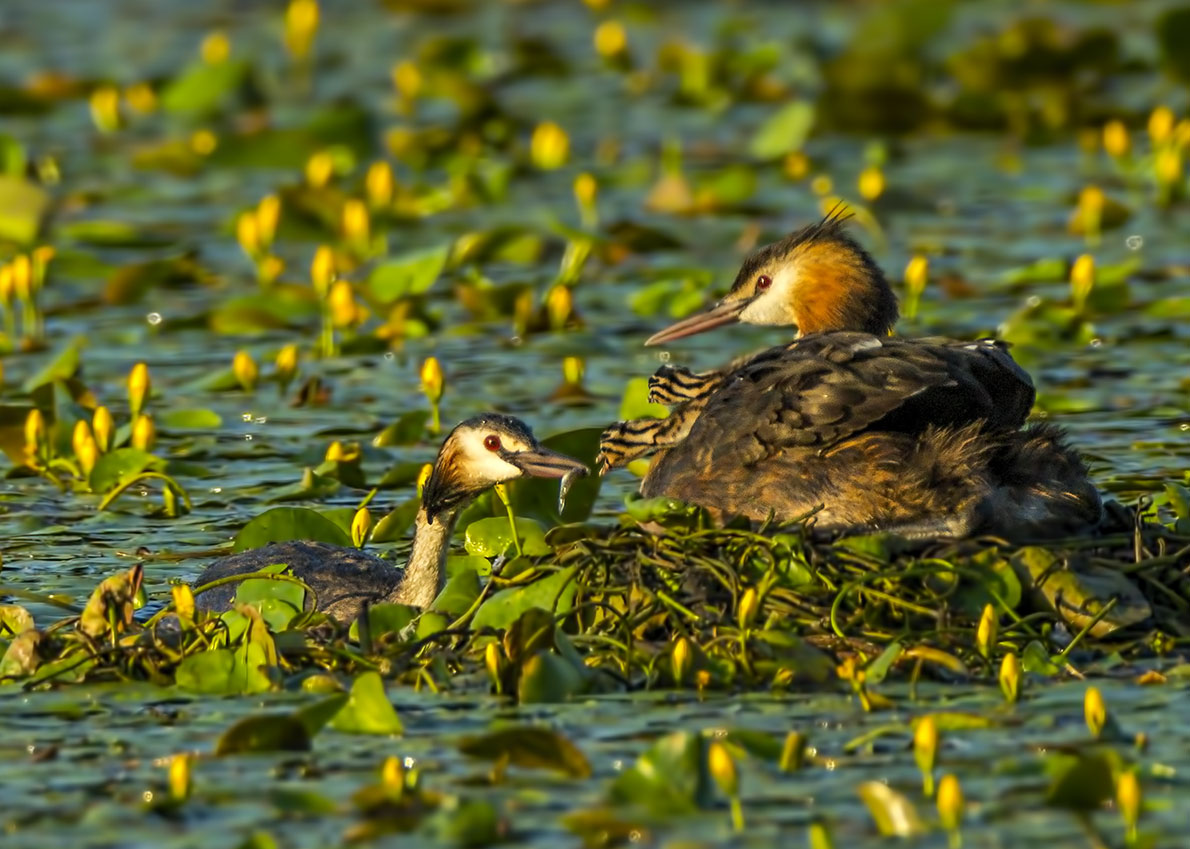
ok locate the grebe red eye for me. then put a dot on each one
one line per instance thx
(763, 282)
(491, 442)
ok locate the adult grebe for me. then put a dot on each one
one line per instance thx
(478, 454)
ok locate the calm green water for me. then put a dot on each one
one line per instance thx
(76, 762)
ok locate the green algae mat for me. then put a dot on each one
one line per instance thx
(256, 259)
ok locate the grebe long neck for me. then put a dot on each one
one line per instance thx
(425, 573)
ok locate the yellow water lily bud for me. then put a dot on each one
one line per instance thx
(322, 270)
(549, 147)
(319, 169)
(356, 224)
(681, 660)
(139, 385)
(361, 527)
(35, 434)
(610, 39)
(407, 80)
(796, 165)
(722, 768)
(820, 836)
(248, 234)
(1116, 139)
(1010, 678)
(793, 752)
(270, 269)
(822, 185)
(380, 184)
(183, 600)
(871, 183)
(103, 426)
(392, 774)
(988, 631)
(301, 25)
(1129, 801)
(144, 433)
(245, 370)
(1161, 124)
(1095, 711)
(179, 777)
(215, 48)
(573, 369)
(917, 274)
(586, 191)
(335, 452)
(423, 476)
(268, 216)
(493, 662)
(749, 605)
(559, 304)
(22, 276)
(950, 802)
(141, 98)
(203, 142)
(433, 382)
(85, 449)
(7, 287)
(1168, 167)
(1089, 213)
(286, 364)
(925, 751)
(344, 310)
(105, 108)
(1082, 280)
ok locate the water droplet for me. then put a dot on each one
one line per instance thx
(390, 356)
(617, 765)
(247, 437)
(409, 762)
(1135, 242)
(1095, 343)
(663, 356)
(1033, 300)
(147, 796)
(247, 417)
(154, 318)
(216, 489)
(260, 420)
(516, 341)
(1184, 427)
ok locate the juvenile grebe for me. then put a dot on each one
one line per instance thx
(920, 436)
(478, 454)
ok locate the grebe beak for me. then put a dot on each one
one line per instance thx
(724, 312)
(541, 462)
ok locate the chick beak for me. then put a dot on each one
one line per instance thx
(541, 462)
(724, 312)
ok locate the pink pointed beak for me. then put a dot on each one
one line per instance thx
(724, 312)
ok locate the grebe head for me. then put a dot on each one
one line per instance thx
(817, 278)
(486, 450)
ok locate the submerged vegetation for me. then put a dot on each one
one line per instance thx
(254, 264)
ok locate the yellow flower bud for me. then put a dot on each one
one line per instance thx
(432, 380)
(268, 216)
(361, 527)
(796, 165)
(392, 774)
(407, 79)
(179, 777)
(139, 385)
(204, 142)
(1116, 139)
(105, 109)
(286, 364)
(793, 753)
(572, 370)
(586, 190)
(1168, 167)
(335, 452)
(144, 433)
(871, 183)
(103, 426)
(423, 476)
(1129, 801)
(319, 169)
(549, 147)
(917, 274)
(559, 304)
(22, 276)
(141, 98)
(183, 599)
(269, 269)
(822, 185)
(681, 660)
(925, 751)
(1010, 678)
(85, 449)
(344, 311)
(610, 39)
(1082, 280)
(356, 224)
(322, 270)
(987, 632)
(493, 661)
(248, 234)
(380, 184)
(245, 370)
(950, 802)
(820, 836)
(749, 605)
(1089, 213)
(722, 768)
(301, 25)
(1161, 124)
(7, 287)
(1095, 711)
(35, 434)
(215, 48)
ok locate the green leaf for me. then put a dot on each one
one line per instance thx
(192, 419)
(23, 204)
(784, 132)
(548, 678)
(537, 498)
(492, 537)
(1080, 781)
(530, 747)
(14, 619)
(203, 87)
(459, 594)
(282, 524)
(115, 467)
(63, 365)
(278, 601)
(410, 274)
(554, 593)
(368, 710)
(207, 671)
(670, 778)
(635, 403)
(385, 618)
(314, 716)
(1173, 34)
(399, 520)
(265, 732)
(408, 429)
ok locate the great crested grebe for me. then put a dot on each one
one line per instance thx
(919, 436)
(478, 454)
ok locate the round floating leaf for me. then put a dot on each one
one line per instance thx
(537, 498)
(117, 466)
(548, 678)
(410, 274)
(669, 779)
(784, 132)
(529, 747)
(385, 618)
(194, 419)
(22, 205)
(459, 594)
(266, 732)
(492, 537)
(368, 710)
(282, 524)
(554, 593)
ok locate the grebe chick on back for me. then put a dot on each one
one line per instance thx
(478, 454)
(920, 436)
